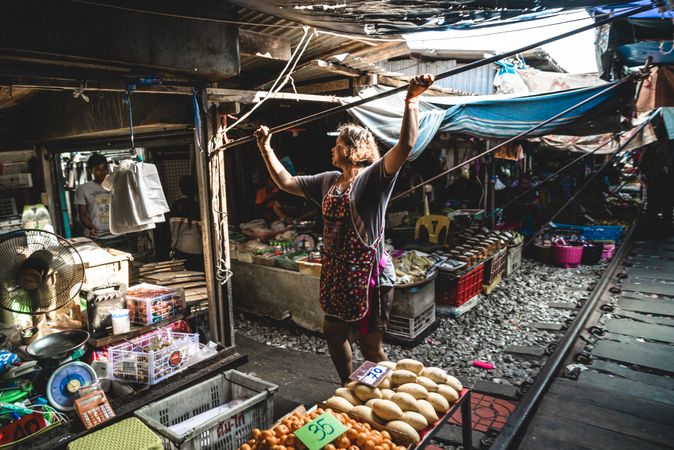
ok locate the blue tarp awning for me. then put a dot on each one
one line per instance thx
(499, 118)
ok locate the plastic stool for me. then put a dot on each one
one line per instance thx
(128, 434)
(434, 224)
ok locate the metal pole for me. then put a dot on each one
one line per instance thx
(467, 421)
(449, 73)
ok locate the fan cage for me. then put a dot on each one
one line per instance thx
(61, 284)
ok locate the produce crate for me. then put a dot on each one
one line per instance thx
(288, 261)
(307, 267)
(413, 300)
(514, 260)
(151, 303)
(455, 290)
(411, 327)
(225, 431)
(136, 360)
(495, 267)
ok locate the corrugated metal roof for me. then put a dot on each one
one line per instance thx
(382, 17)
(477, 81)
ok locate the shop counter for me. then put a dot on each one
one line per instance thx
(277, 293)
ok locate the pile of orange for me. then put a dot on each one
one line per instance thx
(359, 435)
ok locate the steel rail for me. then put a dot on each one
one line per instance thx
(449, 73)
(526, 408)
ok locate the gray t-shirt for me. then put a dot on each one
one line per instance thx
(97, 201)
(369, 198)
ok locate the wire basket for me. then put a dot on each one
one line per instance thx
(152, 357)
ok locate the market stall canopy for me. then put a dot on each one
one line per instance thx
(607, 143)
(374, 17)
(499, 116)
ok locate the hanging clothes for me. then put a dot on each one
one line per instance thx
(138, 200)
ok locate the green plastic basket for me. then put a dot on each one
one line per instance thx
(128, 434)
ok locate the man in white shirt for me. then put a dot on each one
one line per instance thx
(93, 202)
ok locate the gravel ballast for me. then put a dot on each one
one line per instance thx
(500, 319)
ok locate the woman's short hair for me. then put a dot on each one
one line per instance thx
(362, 147)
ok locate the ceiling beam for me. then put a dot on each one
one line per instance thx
(219, 95)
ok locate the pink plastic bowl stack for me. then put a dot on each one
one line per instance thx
(567, 256)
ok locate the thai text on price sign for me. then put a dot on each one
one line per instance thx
(370, 373)
(320, 432)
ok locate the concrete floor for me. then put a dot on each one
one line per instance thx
(302, 378)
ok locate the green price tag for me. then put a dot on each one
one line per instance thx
(320, 432)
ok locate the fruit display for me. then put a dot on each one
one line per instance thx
(409, 400)
(474, 245)
(412, 266)
(359, 434)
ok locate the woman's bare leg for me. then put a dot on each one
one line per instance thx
(337, 336)
(371, 347)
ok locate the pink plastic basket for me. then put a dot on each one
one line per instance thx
(607, 252)
(567, 255)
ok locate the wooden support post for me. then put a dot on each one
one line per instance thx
(213, 207)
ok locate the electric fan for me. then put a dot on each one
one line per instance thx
(39, 272)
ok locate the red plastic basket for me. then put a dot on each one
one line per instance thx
(455, 290)
(567, 255)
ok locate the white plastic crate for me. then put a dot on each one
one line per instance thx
(514, 259)
(411, 327)
(152, 357)
(150, 303)
(456, 311)
(225, 431)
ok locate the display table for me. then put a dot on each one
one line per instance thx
(277, 293)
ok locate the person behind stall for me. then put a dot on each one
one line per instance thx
(357, 276)
(526, 211)
(268, 203)
(186, 239)
(93, 202)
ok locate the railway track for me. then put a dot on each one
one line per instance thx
(609, 382)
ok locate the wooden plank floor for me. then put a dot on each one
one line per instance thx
(625, 398)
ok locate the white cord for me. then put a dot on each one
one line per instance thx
(299, 51)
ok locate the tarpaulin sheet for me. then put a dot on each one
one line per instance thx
(376, 17)
(605, 143)
(498, 117)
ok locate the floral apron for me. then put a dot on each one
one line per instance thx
(348, 263)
